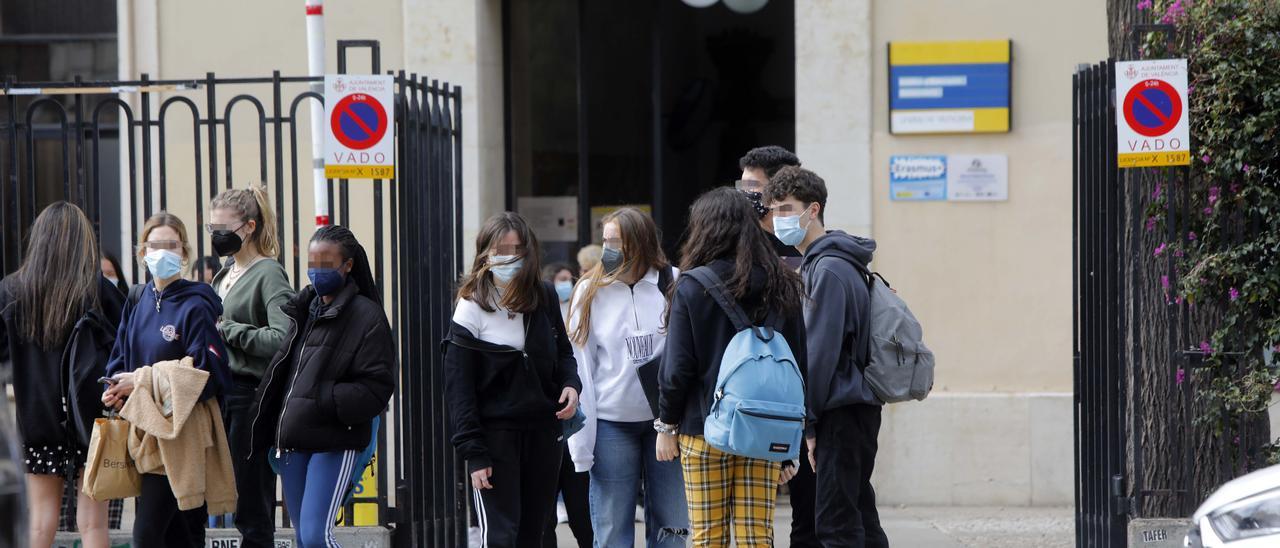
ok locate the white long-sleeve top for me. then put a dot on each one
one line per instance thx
(625, 333)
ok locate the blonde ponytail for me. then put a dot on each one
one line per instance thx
(265, 236)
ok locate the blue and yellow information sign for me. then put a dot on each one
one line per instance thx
(949, 87)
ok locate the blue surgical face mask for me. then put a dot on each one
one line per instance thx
(505, 267)
(788, 229)
(327, 281)
(163, 264)
(564, 290)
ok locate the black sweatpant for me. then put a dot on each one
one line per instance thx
(526, 471)
(255, 482)
(576, 489)
(803, 488)
(158, 523)
(846, 455)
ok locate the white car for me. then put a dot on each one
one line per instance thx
(1244, 513)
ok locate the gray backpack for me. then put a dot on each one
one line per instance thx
(896, 363)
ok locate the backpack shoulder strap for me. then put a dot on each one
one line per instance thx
(135, 293)
(715, 287)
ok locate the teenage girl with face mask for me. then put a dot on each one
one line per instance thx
(169, 318)
(322, 391)
(57, 288)
(510, 378)
(615, 324)
(253, 288)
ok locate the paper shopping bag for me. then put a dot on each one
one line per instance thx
(110, 473)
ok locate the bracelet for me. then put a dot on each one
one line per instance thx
(664, 428)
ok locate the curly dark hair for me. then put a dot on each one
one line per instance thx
(800, 183)
(769, 158)
(722, 225)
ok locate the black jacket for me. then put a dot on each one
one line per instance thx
(697, 335)
(490, 386)
(42, 377)
(334, 374)
(836, 315)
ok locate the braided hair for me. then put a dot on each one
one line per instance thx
(342, 237)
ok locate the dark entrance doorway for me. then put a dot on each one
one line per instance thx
(614, 102)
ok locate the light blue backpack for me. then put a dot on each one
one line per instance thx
(758, 410)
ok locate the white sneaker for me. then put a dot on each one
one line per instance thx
(475, 537)
(562, 514)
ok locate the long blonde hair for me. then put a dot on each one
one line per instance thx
(58, 279)
(642, 251)
(253, 204)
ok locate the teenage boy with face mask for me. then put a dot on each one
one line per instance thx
(844, 414)
(758, 165)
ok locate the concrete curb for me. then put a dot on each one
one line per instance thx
(350, 537)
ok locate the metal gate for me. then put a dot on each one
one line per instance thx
(1140, 349)
(1101, 510)
(98, 144)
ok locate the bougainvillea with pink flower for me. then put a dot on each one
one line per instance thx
(1230, 257)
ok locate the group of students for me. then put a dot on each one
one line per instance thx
(621, 367)
(550, 380)
(249, 378)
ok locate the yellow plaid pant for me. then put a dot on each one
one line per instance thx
(721, 488)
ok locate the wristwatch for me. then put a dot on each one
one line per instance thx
(664, 428)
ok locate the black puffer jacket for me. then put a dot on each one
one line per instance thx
(335, 373)
(495, 387)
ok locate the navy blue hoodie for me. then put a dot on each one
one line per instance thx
(182, 321)
(834, 316)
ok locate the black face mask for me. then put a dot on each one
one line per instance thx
(611, 260)
(757, 201)
(226, 242)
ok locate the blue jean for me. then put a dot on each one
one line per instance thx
(625, 455)
(314, 486)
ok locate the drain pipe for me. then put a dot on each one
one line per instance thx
(315, 67)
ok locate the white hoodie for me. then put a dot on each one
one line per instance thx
(625, 333)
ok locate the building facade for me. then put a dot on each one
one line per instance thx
(574, 106)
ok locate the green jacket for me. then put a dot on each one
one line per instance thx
(253, 324)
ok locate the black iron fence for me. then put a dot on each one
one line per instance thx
(1101, 511)
(122, 150)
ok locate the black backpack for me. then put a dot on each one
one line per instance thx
(648, 372)
(84, 361)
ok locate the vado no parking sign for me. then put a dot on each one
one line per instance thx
(1151, 113)
(358, 141)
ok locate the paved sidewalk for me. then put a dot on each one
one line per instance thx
(941, 527)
